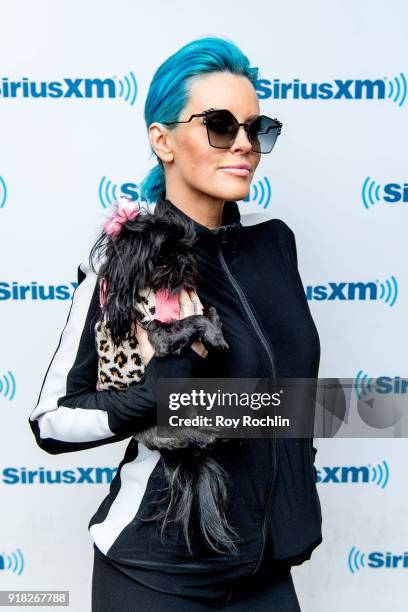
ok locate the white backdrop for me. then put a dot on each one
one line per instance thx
(337, 178)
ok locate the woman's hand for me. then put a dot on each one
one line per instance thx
(189, 304)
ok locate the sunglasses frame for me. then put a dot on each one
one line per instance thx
(246, 124)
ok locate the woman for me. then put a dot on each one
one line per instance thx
(205, 129)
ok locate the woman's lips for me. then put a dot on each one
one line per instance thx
(237, 171)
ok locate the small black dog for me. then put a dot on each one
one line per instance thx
(154, 251)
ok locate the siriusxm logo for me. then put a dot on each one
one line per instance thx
(386, 291)
(391, 193)
(14, 291)
(393, 89)
(363, 384)
(353, 474)
(124, 88)
(358, 560)
(43, 476)
(108, 191)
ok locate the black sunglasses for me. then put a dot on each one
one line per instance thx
(222, 129)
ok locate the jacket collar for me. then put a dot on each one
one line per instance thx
(228, 233)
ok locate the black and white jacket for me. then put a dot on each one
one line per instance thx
(249, 272)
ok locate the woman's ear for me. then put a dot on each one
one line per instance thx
(160, 140)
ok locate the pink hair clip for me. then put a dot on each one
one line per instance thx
(125, 210)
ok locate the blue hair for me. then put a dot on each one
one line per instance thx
(169, 90)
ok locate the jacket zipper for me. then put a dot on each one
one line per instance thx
(254, 322)
(247, 309)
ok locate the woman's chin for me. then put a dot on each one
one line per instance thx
(233, 192)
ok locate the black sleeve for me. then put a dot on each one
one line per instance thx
(293, 255)
(70, 413)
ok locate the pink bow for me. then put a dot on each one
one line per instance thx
(125, 210)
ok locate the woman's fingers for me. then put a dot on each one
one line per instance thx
(189, 303)
(199, 348)
(197, 305)
(186, 306)
(145, 348)
(139, 330)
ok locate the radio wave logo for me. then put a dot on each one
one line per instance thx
(260, 192)
(356, 560)
(397, 89)
(380, 474)
(3, 192)
(108, 192)
(362, 385)
(13, 562)
(8, 385)
(128, 88)
(370, 193)
(355, 474)
(388, 291)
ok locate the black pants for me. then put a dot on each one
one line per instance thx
(114, 591)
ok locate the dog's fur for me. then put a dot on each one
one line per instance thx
(154, 251)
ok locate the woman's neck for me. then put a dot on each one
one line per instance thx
(202, 208)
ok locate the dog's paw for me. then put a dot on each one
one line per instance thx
(172, 337)
(212, 335)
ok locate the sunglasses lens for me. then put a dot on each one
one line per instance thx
(222, 129)
(263, 134)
